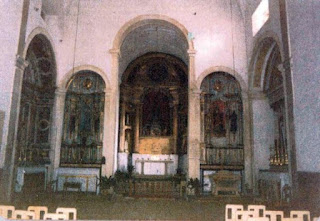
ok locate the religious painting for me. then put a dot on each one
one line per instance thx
(221, 108)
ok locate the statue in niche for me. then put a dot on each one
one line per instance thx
(233, 118)
(156, 115)
(127, 141)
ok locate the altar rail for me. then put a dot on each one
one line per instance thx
(34, 155)
(79, 155)
(154, 188)
(227, 156)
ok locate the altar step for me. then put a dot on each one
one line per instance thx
(143, 187)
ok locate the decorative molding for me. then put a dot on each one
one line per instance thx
(114, 51)
(257, 95)
(21, 63)
(192, 52)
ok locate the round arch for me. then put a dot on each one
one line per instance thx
(230, 71)
(64, 82)
(267, 36)
(145, 19)
(34, 33)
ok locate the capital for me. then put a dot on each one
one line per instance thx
(21, 63)
(114, 52)
(192, 52)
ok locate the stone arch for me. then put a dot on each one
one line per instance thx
(258, 45)
(144, 19)
(123, 32)
(34, 33)
(64, 82)
(230, 71)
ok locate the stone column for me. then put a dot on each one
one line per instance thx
(193, 121)
(56, 130)
(249, 166)
(175, 127)
(203, 154)
(175, 120)
(122, 126)
(137, 124)
(108, 134)
(8, 174)
(111, 119)
(289, 124)
(9, 169)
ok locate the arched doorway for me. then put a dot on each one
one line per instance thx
(153, 119)
(270, 134)
(35, 116)
(221, 125)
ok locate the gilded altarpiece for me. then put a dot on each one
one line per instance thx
(221, 117)
(154, 106)
(37, 95)
(83, 120)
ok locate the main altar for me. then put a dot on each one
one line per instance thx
(153, 116)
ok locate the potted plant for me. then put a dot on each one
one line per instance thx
(107, 185)
(194, 187)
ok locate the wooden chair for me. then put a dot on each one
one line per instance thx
(71, 213)
(24, 214)
(304, 215)
(292, 219)
(6, 211)
(273, 215)
(55, 216)
(259, 210)
(40, 211)
(244, 215)
(231, 211)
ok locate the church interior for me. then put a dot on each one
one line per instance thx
(214, 100)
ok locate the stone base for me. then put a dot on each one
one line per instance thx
(87, 177)
(148, 164)
(123, 159)
(21, 171)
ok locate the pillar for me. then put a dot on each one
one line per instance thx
(175, 120)
(285, 69)
(57, 130)
(137, 124)
(111, 118)
(122, 126)
(249, 166)
(10, 164)
(193, 121)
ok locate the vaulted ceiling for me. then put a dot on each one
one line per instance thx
(155, 36)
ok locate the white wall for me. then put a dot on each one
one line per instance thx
(99, 22)
(304, 23)
(10, 20)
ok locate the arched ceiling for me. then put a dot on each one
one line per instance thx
(154, 36)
